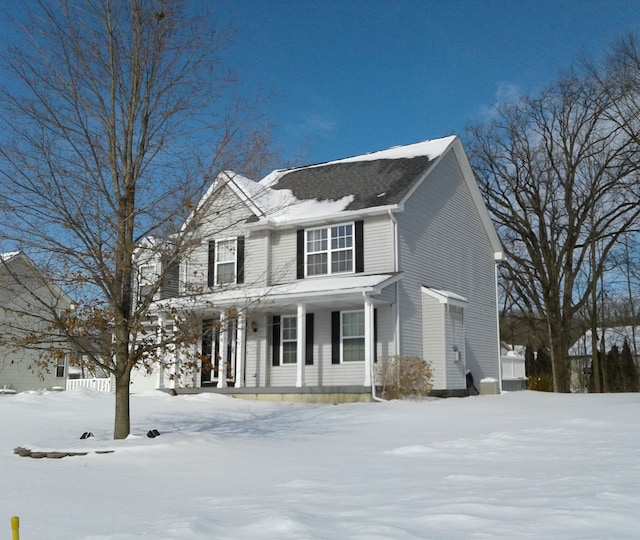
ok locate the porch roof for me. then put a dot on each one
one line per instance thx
(336, 291)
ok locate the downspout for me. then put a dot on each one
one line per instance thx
(372, 373)
(396, 268)
(498, 258)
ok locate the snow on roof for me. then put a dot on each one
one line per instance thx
(377, 179)
(324, 189)
(8, 255)
(433, 149)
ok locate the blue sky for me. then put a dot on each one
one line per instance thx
(353, 76)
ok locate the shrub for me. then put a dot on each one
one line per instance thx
(403, 377)
(541, 383)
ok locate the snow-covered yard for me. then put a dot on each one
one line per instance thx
(520, 465)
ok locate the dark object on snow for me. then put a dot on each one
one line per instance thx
(86, 435)
(471, 387)
(153, 433)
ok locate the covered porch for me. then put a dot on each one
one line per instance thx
(292, 340)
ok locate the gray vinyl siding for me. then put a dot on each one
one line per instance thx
(256, 352)
(225, 219)
(434, 340)
(18, 371)
(323, 372)
(255, 260)
(283, 256)
(443, 244)
(378, 245)
(23, 297)
(455, 338)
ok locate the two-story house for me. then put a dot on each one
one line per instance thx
(302, 281)
(27, 297)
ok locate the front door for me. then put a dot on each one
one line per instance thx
(212, 355)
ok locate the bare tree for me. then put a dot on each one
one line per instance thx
(116, 115)
(560, 178)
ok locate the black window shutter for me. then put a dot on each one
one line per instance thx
(359, 245)
(275, 340)
(309, 340)
(211, 275)
(171, 282)
(335, 337)
(300, 254)
(240, 259)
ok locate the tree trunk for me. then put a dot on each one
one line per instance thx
(122, 423)
(561, 373)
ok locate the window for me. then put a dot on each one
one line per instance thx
(226, 261)
(60, 365)
(329, 250)
(147, 277)
(352, 335)
(288, 325)
(284, 340)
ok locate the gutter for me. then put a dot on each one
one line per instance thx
(346, 215)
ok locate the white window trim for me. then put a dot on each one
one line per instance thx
(62, 364)
(142, 277)
(342, 338)
(146, 281)
(330, 251)
(282, 340)
(235, 261)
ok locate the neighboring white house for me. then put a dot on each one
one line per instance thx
(580, 353)
(322, 270)
(21, 285)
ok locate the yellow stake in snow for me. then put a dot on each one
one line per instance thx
(15, 528)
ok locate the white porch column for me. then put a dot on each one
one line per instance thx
(301, 340)
(160, 353)
(240, 348)
(369, 342)
(224, 353)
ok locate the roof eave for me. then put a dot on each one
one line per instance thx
(346, 215)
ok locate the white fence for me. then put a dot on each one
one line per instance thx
(513, 367)
(100, 385)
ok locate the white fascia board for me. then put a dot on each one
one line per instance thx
(470, 178)
(348, 215)
(303, 289)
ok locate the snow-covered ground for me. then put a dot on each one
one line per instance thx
(520, 465)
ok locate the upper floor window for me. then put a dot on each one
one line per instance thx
(329, 250)
(147, 276)
(226, 261)
(337, 249)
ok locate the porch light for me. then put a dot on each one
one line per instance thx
(254, 326)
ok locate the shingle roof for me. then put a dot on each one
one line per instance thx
(371, 183)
